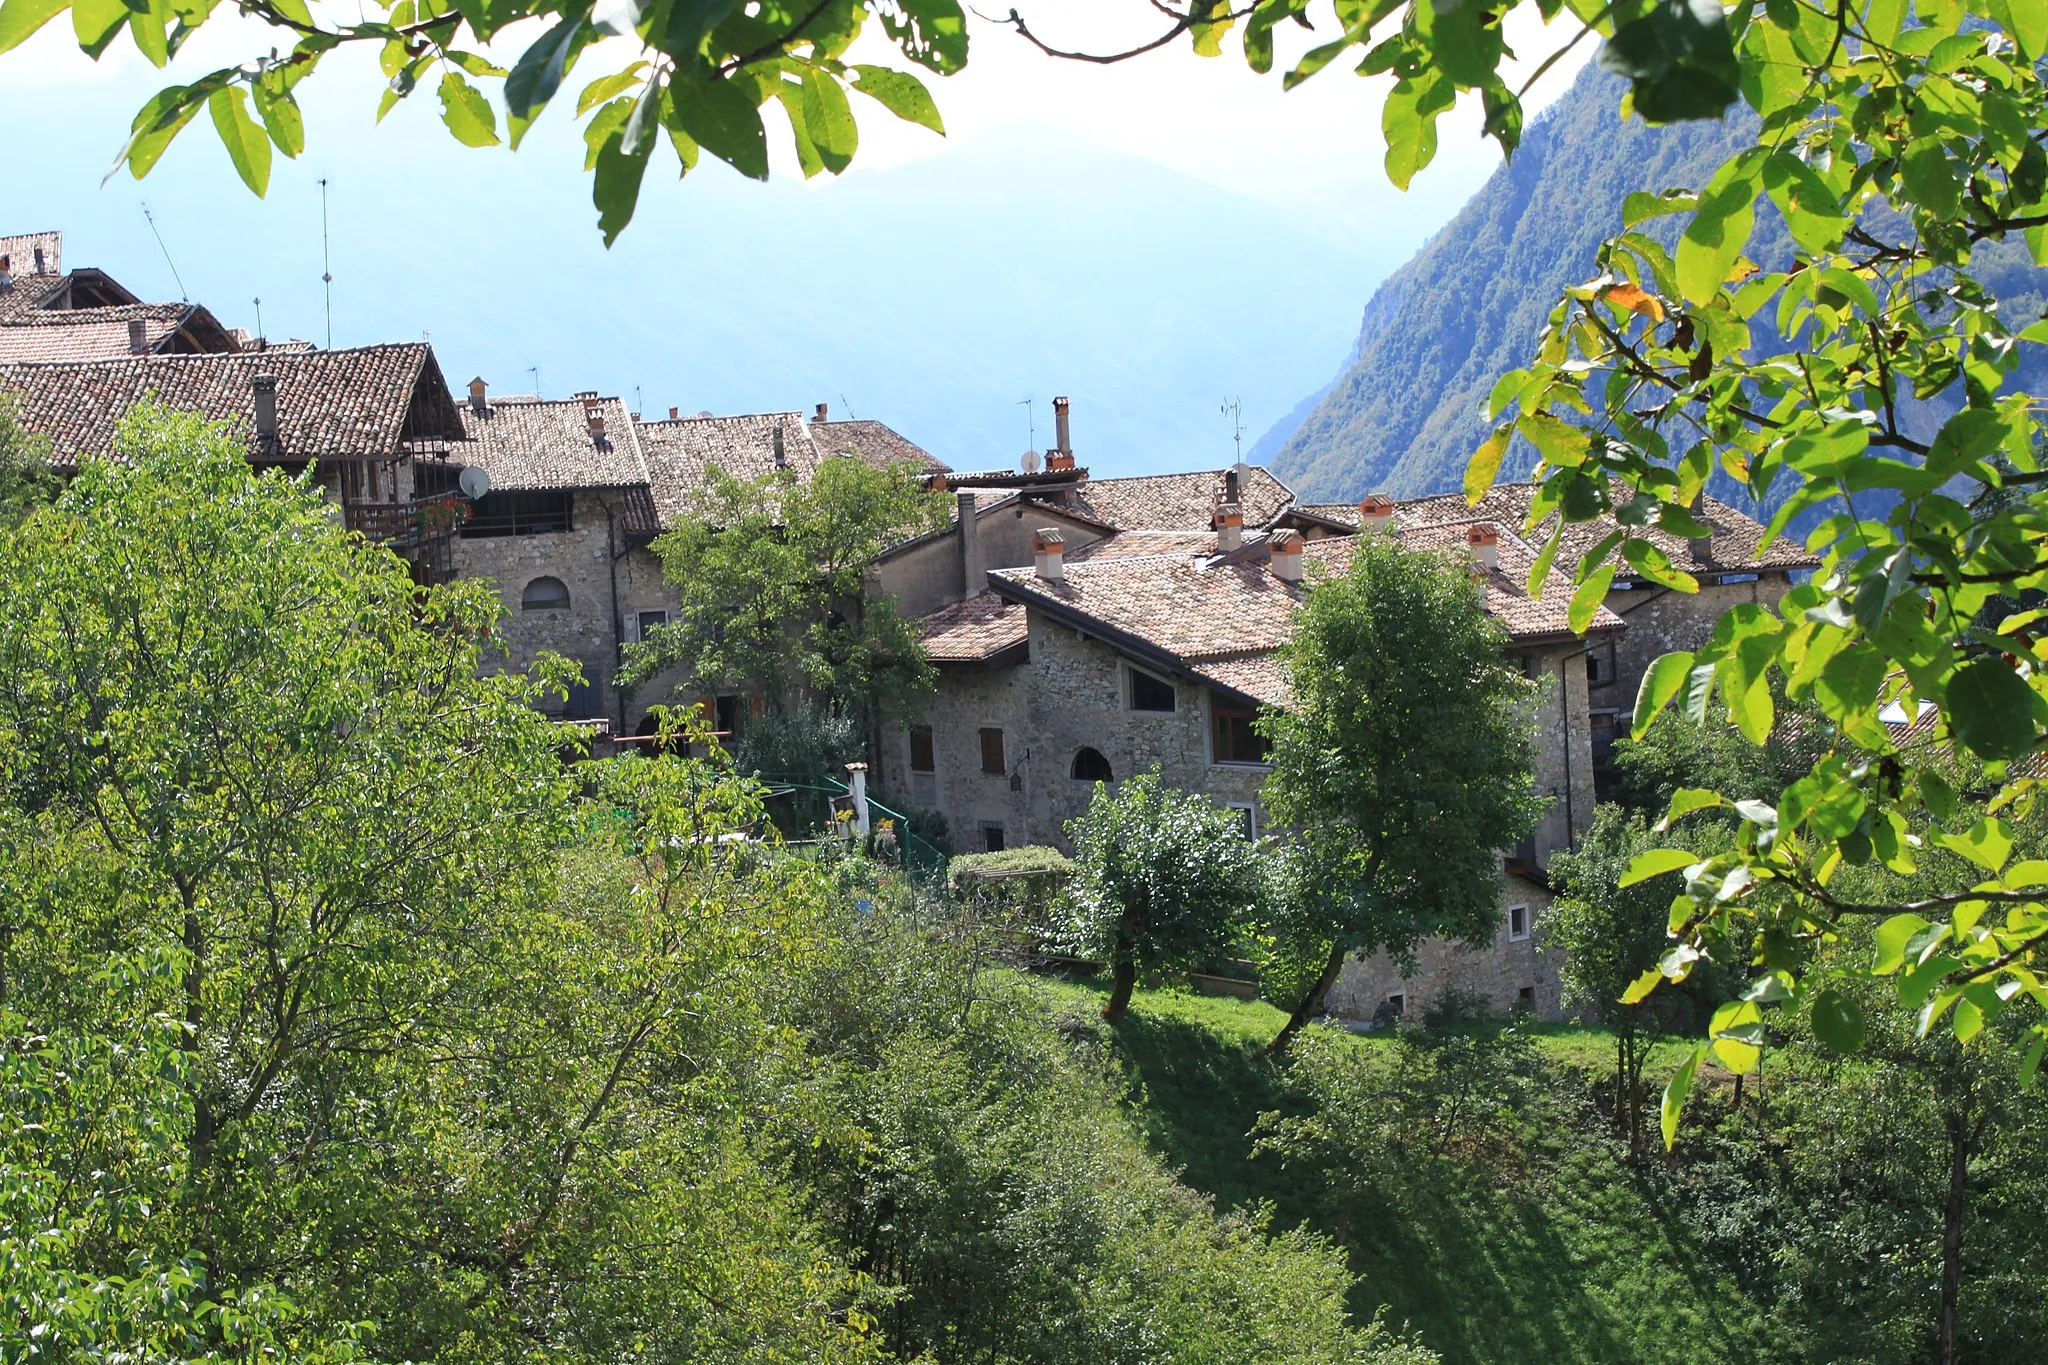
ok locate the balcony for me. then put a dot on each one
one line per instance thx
(407, 523)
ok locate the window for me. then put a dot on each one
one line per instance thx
(1738, 578)
(644, 623)
(1148, 693)
(1596, 671)
(728, 722)
(921, 749)
(1397, 1005)
(1250, 818)
(992, 751)
(1518, 922)
(520, 514)
(1090, 766)
(1525, 998)
(991, 838)
(1232, 738)
(545, 594)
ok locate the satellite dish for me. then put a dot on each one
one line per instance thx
(474, 482)
(1030, 462)
(1242, 470)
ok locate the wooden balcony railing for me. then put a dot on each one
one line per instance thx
(410, 523)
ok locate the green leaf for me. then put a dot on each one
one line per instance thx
(247, 144)
(1656, 566)
(828, 119)
(96, 22)
(538, 73)
(2031, 1063)
(1737, 1033)
(1685, 801)
(901, 93)
(1675, 1092)
(608, 87)
(1991, 709)
(1939, 796)
(722, 120)
(615, 189)
(19, 19)
(467, 113)
(1719, 230)
(1641, 207)
(161, 119)
(279, 111)
(1640, 988)
(1655, 863)
(1838, 1021)
(1484, 466)
(1890, 943)
(1681, 59)
(1408, 119)
(1587, 599)
(1987, 844)
(1930, 178)
(1661, 683)
(1562, 445)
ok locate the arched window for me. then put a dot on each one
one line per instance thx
(545, 594)
(1091, 766)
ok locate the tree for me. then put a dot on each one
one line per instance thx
(26, 480)
(771, 575)
(1162, 878)
(1403, 759)
(1609, 935)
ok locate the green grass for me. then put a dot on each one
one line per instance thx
(1561, 1258)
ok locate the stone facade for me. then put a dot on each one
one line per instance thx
(933, 570)
(610, 583)
(1510, 973)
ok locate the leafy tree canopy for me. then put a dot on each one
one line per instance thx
(1162, 878)
(771, 578)
(1403, 758)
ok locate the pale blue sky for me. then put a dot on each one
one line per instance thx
(1152, 240)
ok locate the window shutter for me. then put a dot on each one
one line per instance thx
(757, 704)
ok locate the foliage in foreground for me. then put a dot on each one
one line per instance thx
(338, 1022)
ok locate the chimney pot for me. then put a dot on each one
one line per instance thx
(1285, 548)
(674, 412)
(264, 389)
(479, 396)
(138, 337)
(821, 412)
(1484, 542)
(1229, 527)
(1375, 512)
(1062, 408)
(1230, 485)
(1048, 553)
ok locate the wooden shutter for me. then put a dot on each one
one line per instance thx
(992, 751)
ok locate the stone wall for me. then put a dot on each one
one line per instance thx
(1495, 976)
(1660, 620)
(1564, 753)
(605, 593)
(931, 573)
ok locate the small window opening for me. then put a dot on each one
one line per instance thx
(1091, 766)
(1234, 739)
(1148, 693)
(1525, 998)
(921, 760)
(992, 838)
(1518, 922)
(992, 751)
(545, 594)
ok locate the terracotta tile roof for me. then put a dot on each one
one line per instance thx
(1259, 676)
(679, 451)
(53, 337)
(1178, 502)
(1172, 603)
(874, 442)
(972, 631)
(27, 294)
(1507, 597)
(1732, 549)
(527, 446)
(330, 404)
(1140, 544)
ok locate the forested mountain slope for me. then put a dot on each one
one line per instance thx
(1408, 411)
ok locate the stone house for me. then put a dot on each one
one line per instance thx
(49, 314)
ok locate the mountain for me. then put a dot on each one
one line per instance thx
(1408, 410)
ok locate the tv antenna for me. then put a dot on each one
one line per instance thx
(1030, 462)
(534, 370)
(259, 318)
(150, 218)
(1234, 410)
(326, 266)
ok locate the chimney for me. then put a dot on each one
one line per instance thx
(264, 387)
(781, 450)
(1702, 549)
(1375, 512)
(593, 415)
(138, 337)
(1484, 543)
(1285, 548)
(1229, 527)
(821, 413)
(971, 571)
(1064, 443)
(1230, 485)
(478, 397)
(1048, 554)
(674, 412)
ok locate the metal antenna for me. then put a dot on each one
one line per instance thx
(846, 403)
(326, 267)
(638, 405)
(1234, 410)
(259, 318)
(150, 218)
(1030, 422)
(534, 370)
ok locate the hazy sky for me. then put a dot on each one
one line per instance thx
(1156, 236)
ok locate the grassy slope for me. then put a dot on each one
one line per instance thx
(1565, 1261)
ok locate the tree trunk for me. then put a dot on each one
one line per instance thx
(1123, 976)
(1958, 1130)
(1311, 1003)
